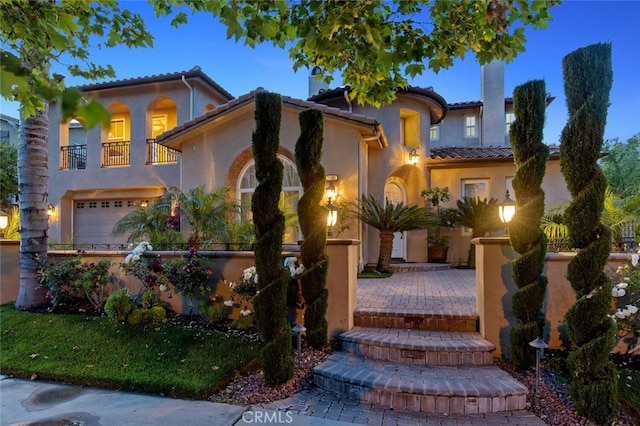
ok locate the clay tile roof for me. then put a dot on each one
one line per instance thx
(479, 153)
(248, 98)
(195, 72)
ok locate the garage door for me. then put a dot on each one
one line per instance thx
(93, 221)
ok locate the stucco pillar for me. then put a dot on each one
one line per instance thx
(342, 284)
(9, 270)
(494, 290)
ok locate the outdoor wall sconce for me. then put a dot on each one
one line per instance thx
(144, 204)
(332, 216)
(331, 192)
(51, 210)
(414, 157)
(4, 220)
(506, 209)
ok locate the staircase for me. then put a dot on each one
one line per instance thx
(428, 362)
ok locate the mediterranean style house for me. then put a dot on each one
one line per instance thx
(184, 130)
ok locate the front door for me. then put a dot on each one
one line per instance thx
(395, 193)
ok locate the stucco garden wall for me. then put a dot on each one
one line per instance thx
(495, 289)
(341, 278)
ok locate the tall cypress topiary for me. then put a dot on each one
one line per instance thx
(313, 224)
(525, 234)
(588, 78)
(273, 279)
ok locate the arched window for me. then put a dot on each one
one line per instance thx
(291, 192)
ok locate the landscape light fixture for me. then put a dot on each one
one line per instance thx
(144, 204)
(506, 209)
(414, 157)
(298, 329)
(539, 345)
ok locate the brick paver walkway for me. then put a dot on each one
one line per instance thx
(437, 292)
(440, 292)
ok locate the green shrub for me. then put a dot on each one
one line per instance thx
(119, 305)
(72, 282)
(214, 310)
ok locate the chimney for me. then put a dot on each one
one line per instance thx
(316, 86)
(493, 122)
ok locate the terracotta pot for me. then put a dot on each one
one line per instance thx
(438, 254)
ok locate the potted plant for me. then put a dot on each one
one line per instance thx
(438, 244)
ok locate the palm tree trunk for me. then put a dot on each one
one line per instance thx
(33, 184)
(386, 248)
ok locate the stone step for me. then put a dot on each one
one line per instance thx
(431, 389)
(418, 267)
(418, 320)
(418, 346)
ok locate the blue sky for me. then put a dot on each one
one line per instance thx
(240, 69)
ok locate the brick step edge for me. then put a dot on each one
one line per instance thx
(418, 346)
(460, 395)
(433, 322)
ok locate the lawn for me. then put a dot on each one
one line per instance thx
(165, 359)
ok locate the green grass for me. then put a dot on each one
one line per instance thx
(374, 274)
(160, 359)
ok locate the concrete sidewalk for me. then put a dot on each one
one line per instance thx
(24, 402)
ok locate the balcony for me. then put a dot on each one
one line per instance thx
(160, 154)
(116, 154)
(73, 157)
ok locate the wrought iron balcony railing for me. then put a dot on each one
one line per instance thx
(160, 154)
(116, 154)
(73, 157)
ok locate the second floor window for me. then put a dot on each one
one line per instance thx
(509, 119)
(116, 130)
(470, 126)
(434, 133)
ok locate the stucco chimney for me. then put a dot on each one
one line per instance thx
(493, 122)
(316, 86)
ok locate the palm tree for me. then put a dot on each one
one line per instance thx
(149, 223)
(614, 216)
(389, 219)
(482, 217)
(208, 214)
(33, 183)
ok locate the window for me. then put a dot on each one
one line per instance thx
(4, 136)
(472, 188)
(116, 130)
(434, 133)
(291, 192)
(509, 118)
(410, 128)
(470, 126)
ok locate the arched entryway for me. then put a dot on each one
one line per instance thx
(395, 192)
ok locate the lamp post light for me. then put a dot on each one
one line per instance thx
(539, 345)
(299, 329)
(506, 210)
(4, 221)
